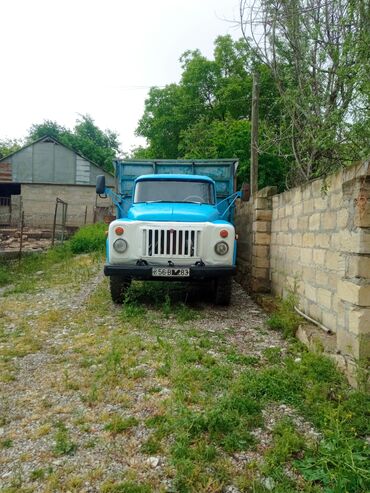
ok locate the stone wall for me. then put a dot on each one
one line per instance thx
(318, 247)
(253, 227)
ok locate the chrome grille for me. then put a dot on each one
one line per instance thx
(164, 242)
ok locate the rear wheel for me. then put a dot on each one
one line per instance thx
(118, 287)
(222, 293)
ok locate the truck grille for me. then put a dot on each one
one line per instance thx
(164, 242)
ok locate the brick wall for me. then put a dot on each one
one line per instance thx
(318, 247)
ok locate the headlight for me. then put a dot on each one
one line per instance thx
(120, 245)
(221, 248)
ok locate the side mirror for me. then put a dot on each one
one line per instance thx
(100, 184)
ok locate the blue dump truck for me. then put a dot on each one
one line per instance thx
(173, 222)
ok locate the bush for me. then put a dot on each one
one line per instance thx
(89, 238)
(5, 276)
(285, 319)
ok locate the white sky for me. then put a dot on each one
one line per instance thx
(61, 58)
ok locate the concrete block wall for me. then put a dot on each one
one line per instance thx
(253, 227)
(314, 240)
(39, 203)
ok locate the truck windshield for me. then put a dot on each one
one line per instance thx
(199, 192)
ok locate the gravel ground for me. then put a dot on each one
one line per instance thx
(42, 390)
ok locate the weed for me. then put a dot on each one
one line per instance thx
(241, 359)
(287, 443)
(41, 473)
(63, 444)
(89, 238)
(152, 446)
(6, 443)
(285, 319)
(126, 487)
(118, 424)
(5, 275)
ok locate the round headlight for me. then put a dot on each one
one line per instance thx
(221, 248)
(120, 245)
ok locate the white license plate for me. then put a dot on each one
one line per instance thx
(170, 272)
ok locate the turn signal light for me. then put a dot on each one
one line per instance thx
(224, 233)
(119, 231)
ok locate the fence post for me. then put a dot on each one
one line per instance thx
(54, 222)
(85, 214)
(64, 219)
(21, 236)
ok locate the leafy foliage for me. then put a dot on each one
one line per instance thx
(315, 52)
(206, 115)
(101, 147)
(7, 146)
(89, 238)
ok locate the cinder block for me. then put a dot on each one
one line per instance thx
(328, 220)
(321, 203)
(342, 218)
(336, 199)
(261, 238)
(288, 210)
(359, 266)
(324, 297)
(310, 292)
(347, 343)
(359, 320)
(262, 226)
(322, 278)
(260, 273)
(317, 188)
(309, 275)
(303, 223)
(262, 203)
(322, 240)
(293, 223)
(306, 255)
(298, 209)
(332, 260)
(260, 251)
(261, 262)
(314, 222)
(356, 294)
(308, 240)
(319, 256)
(297, 239)
(308, 206)
(329, 320)
(306, 191)
(262, 215)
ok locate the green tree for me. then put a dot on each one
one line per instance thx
(317, 53)
(7, 146)
(101, 147)
(206, 115)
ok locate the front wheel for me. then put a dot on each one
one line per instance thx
(222, 293)
(118, 287)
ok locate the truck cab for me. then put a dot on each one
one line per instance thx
(173, 229)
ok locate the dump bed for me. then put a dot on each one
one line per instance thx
(222, 171)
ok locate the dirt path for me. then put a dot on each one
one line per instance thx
(99, 398)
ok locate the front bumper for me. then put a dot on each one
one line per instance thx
(144, 272)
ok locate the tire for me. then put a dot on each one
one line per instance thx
(118, 288)
(222, 293)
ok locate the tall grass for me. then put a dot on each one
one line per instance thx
(89, 238)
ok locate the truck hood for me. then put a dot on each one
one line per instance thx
(165, 211)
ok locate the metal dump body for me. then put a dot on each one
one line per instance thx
(222, 171)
